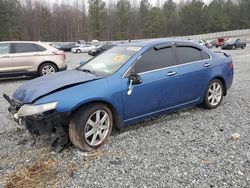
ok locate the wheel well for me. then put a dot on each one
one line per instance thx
(117, 121)
(47, 62)
(224, 85)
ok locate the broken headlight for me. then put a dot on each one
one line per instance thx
(29, 110)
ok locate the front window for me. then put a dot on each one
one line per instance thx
(110, 61)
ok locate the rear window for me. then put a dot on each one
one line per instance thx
(4, 48)
(27, 47)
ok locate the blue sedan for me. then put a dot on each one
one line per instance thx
(122, 86)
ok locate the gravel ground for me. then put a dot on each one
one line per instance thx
(190, 148)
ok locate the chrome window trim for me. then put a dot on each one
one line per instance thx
(123, 76)
(173, 66)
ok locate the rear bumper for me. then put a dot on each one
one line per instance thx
(63, 68)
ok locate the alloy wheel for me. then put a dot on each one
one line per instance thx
(48, 70)
(97, 128)
(215, 94)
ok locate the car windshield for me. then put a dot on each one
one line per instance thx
(110, 61)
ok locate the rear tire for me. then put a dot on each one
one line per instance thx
(78, 51)
(47, 69)
(214, 94)
(91, 127)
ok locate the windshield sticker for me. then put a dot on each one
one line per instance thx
(119, 58)
(133, 49)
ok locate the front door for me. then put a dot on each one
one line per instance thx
(159, 87)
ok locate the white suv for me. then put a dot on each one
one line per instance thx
(19, 58)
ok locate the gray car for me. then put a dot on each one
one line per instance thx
(18, 58)
(232, 44)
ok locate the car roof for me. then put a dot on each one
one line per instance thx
(37, 42)
(150, 43)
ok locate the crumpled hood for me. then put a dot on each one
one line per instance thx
(42, 86)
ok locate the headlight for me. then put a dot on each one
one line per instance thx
(29, 110)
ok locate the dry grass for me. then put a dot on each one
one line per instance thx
(41, 174)
(44, 172)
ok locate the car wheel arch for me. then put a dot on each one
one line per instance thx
(118, 123)
(47, 62)
(223, 84)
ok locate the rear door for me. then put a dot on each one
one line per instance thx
(5, 58)
(159, 88)
(194, 70)
(26, 56)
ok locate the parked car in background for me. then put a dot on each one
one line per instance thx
(68, 47)
(234, 44)
(124, 85)
(83, 48)
(100, 49)
(95, 42)
(219, 42)
(30, 58)
(81, 42)
(211, 43)
(56, 45)
(202, 43)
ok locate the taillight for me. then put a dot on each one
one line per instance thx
(231, 65)
(60, 53)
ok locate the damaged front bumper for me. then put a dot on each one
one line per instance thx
(42, 119)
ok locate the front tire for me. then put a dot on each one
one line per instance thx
(78, 51)
(91, 126)
(214, 94)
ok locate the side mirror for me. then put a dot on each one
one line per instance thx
(135, 79)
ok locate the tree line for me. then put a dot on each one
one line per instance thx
(118, 20)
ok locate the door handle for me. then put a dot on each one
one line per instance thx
(6, 56)
(207, 65)
(171, 73)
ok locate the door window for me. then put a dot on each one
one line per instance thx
(187, 54)
(4, 48)
(204, 55)
(155, 59)
(26, 47)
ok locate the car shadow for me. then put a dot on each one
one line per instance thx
(14, 79)
(156, 120)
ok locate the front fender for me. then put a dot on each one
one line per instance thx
(107, 90)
